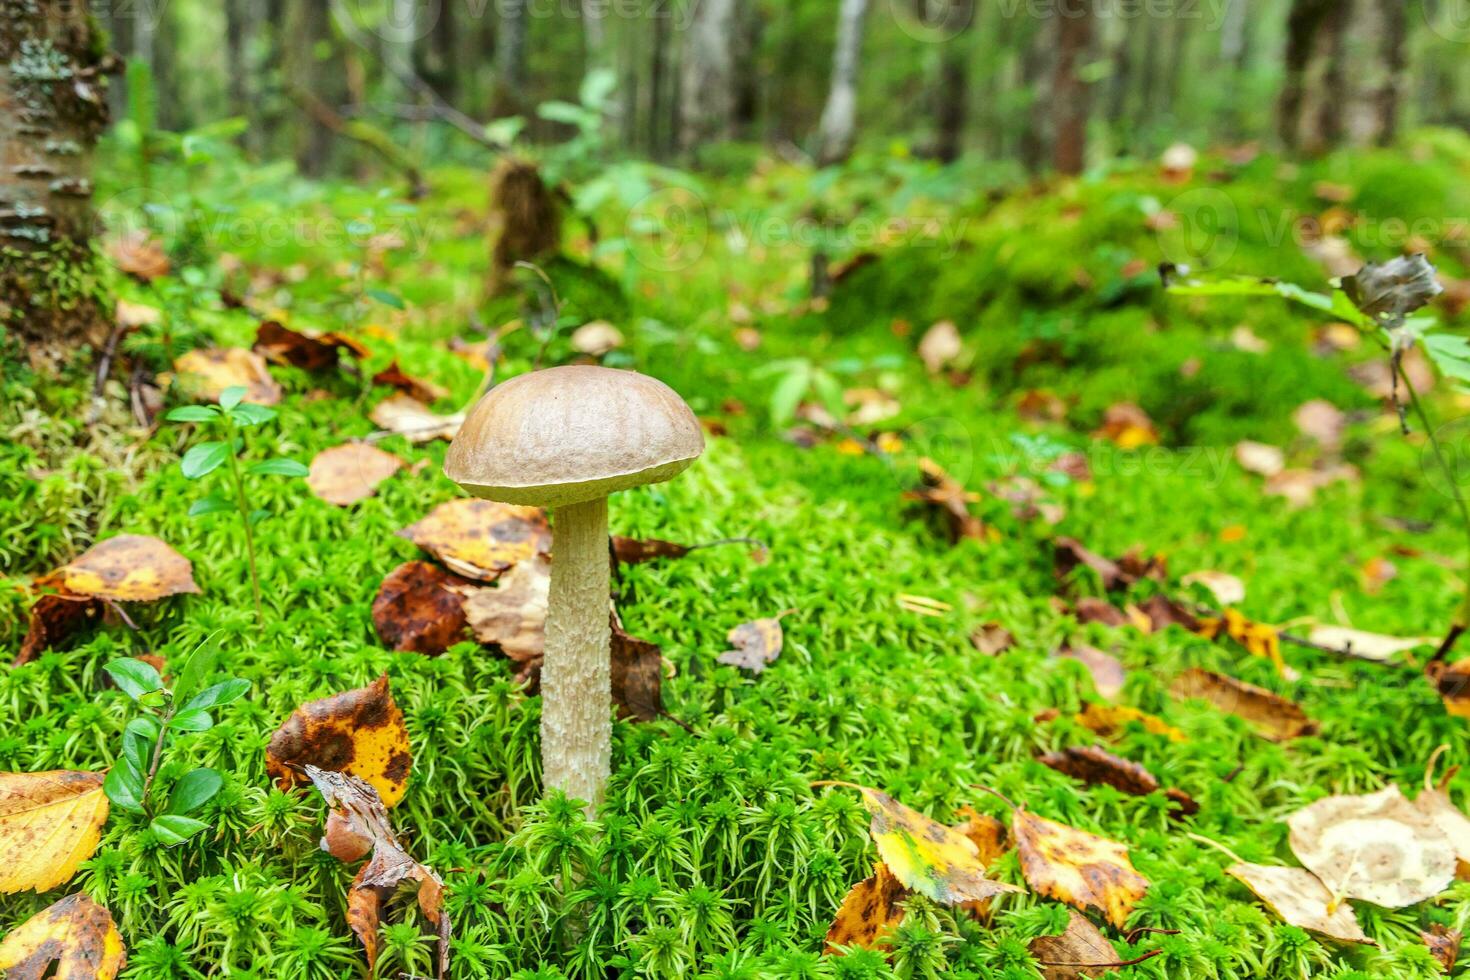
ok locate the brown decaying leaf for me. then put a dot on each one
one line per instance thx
(1127, 426)
(1273, 716)
(512, 614)
(1108, 675)
(418, 609)
(992, 639)
(872, 907)
(1375, 847)
(54, 618)
(1108, 720)
(943, 492)
(757, 644)
(75, 939)
(414, 420)
(138, 254)
(991, 838)
(1070, 554)
(633, 551)
(206, 373)
(1080, 951)
(481, 539)
(345, 474)
(127, 568)
(419, 390)
(359, 732)
(306, 350)
(637, 675)
(50, 822)
(1452, 681)
(1444, 945)
(1090, 609)
(1076, 867)
(1322, 421)
(1163, 612)
(1094, 765)
(358, 825)
(1301, 900)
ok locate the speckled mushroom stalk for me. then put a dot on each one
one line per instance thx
(565, 439)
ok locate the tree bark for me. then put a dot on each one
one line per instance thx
(239, 29)
(749, 26)
(52, 109)
(510, 57)
(951, 102)
(1376, 61)
(1071, 95)
(706, 93)
(1308, 119)
(309, 25)
(838, 129)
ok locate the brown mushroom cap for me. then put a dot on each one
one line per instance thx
(572, 434)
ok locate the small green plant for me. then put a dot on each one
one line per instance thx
(228, 420)
(166, 713)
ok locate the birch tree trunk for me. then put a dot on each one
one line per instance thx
(838, 128)
(707, 89)
(1071, 95)
(52, 108)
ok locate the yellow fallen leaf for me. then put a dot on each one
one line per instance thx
(359, 732)
(1076, 867)
(128, 568)
(75, 939)
(1259, 639)
(481, 539)
(872, 907)
(206, 374)
(1108, 719)
(50, 822)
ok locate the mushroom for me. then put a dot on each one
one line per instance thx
(564, 439)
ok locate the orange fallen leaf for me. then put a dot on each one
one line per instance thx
(50, 822)
(304, 349)
(633, 551)
(481, 539)
(138, 254)
(1273, 716)
(418, 609)
(418, 389)
(205, 374)
(1259, 639)
(757, 643)
(415, 421)
(346, 474)
(1076, 867)
(127, 568)
(942, 491)
(75, 939)
(359, 732)
(872, 908)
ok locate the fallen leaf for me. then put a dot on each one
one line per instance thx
(1444, 945)
(1299, 899)
(75, 939)
(872, 907)
(940, 345)
(1107, 671)
(992, 639)
(1076, 867)
(1245, 339)
(414, 420)
(937, 862)
(1259, 639)
(596, 338)
(1377, 572)
(991, 838)
(1127, 426)
(1041, 405)
(1435, 804)
(1273, 716)
(127, 568)
(757, 644)
(1227, 589)
(637, 675)
(942, 491)
(359, 732)
(358, 825)
(1110, 719)
(307, 350)
(206, 373)
(418, 609)
(1080, 951)
(1095, 766)
(1090, 609)
(1377, 848)
(53, 619)
(50, 822)
(128, 315)
(1162, 612)
(481, 539)
(426, 392)
(512, 614)
(1374, 646)
(1452, 681)
(1069, 554)
(346, 474)
(1321, 421)
(633, 551)
(1260, 458)
(138, 254)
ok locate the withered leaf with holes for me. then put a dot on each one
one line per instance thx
(757, 644)
(50, 822)
(1080, 951)
(632, 551)
(872, 907)
(346, 474)
(414, 420)
(205, 374)
(54, 618)
(1272, 716)
(1301, 900)
(637, 675)
(358, 825)
(1094, 765)
(936, 861)
(481, 539)
(418, 609)
(1076, 867)
(1375, 847)
(419, 390)
(358, 732)
(127, 568)
(512, 614)
(303, 349)
(75, 939)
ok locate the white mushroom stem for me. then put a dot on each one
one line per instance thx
(576, 685)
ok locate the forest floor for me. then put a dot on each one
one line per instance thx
(715, 855)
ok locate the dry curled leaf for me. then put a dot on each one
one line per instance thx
(1376, 847)
(1444, 945)
(345, 474)
(418, 609)
(512, 614)
(127, 568)
(481, 539)
(359, 732)
(1391, 290)
(304, 349)
(425, 392)
(1108, 720)
(358, 825)
(1076, 867)
(53, 619)
(1452, 681)
(872, 907)
(50, 822)
(75, 939)
(1094, 766)
(1300, 900)
(1080, 951)
(1273, 716)
(633, 551)
(1108, 675)
(415, 421)
(205, 374)
(936, 861)
(757, 644)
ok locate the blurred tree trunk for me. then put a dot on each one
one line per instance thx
(952, 101)
(1071, 96)
(658, 71)
(1376, 60)
(745, 112)
(594, 35)
(120, 29)
(1308, 115)
(706, 93)
(1036, 53)
(1345, 62)
(838, 129)
(239, 30)
(438, 60)
(510, 57)
(164, 59)
(52, 108)
(309, 24)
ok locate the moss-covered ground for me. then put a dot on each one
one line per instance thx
(714, 857)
